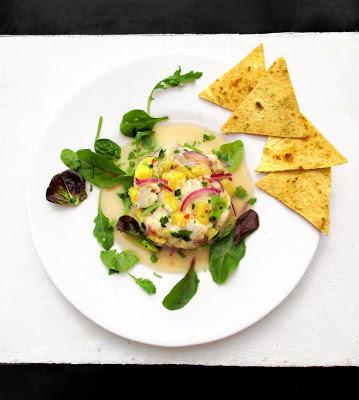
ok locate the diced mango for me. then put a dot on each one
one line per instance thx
(179, 219)
(133, 193)
(171, 201)
(175, 179)
(156, 239)
(212, 232)
(201, 211)
(229, 186)
(200, 170)
(166, 164)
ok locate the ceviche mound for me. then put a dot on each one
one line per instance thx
(181, 198)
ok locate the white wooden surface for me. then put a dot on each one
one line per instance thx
(318, 324)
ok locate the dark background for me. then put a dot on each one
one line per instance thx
(54, 17)
(63, 17)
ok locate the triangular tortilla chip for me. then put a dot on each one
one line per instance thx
(234, 86)
(306, 192)
(314, 151)
(271, 108)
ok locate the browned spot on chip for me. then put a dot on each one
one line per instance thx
(259, 105)
(288, 157)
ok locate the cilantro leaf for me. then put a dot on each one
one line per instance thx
(208, 138)
(241, 192)
(118, 262)
(252, 201)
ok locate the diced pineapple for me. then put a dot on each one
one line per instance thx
(200, 170)
(143, 171)
(175, 179)
(184, 170)
(179, 219)
(201, 211)
(171, 201)
(212, 232)
(156, 239)
(166, 164)
(138, 215)
(229, 186)
(133, 193)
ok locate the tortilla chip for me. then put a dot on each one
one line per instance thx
(314, 151)
(305, 192)
(235, 85)
(271, 108)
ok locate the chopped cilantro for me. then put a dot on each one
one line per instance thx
(208, 138)
(241, 192)
(163, 221)
(178, 192)
(158, 275)
(204, 183)
(161, 154)
(154, 258)
(252, 201)
(176, 151)
(151, 209)
(182, 234)
(181, 253)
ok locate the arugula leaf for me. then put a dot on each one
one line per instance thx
(224, 257)
(183, 291)
(149, 210)
(218, 207)
(234, 152)
(177, 79)
(103, 230)
(208, 138)
(182, 234)
(241, 192)
(252, 201)
(145, 284)
(95, 168)
(118, 262)
(138, 120)
(124, 196)
(70, 159)
(108, 149)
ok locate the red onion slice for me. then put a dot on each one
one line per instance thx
(198, 193)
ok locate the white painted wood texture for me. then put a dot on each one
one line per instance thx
(318, 324)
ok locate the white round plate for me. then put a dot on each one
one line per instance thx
(278, 253)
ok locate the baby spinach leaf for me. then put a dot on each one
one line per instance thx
(182, 234)
(119, 262)
(145, 284)
(67, 188)
(98, 170)
(103, 230)
(234, 152)
(108, 148)
(218, 206)
(183, 291)
(144, 137)
(224, 257)
(138, 120)
(70, 159)
(177, 79)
